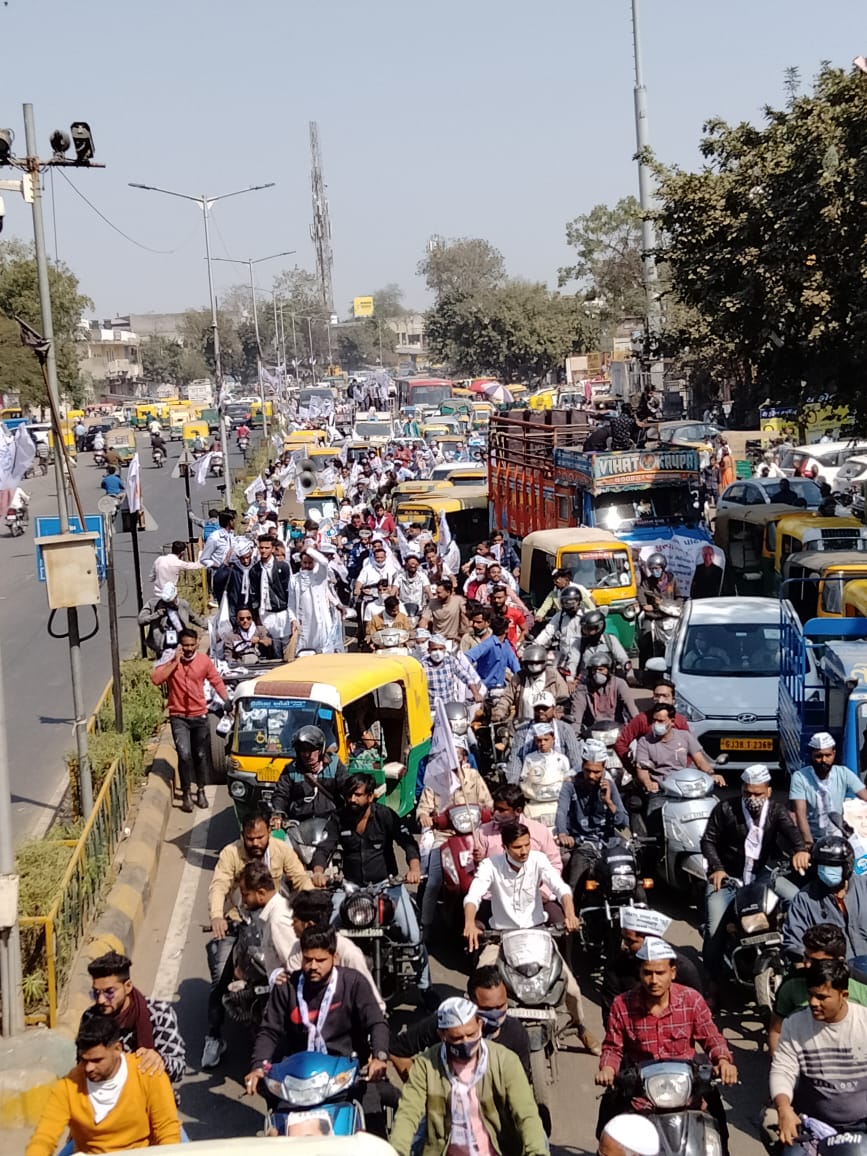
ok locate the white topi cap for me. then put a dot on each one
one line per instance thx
(635, 1134)
(455, 1011)
(756, 775)
(644, 921)
(822, 741)
(595, 751)
(654, 948)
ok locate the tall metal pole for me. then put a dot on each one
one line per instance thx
(218, 365)
(117, 685)
(79, 726)
(645, 193)
(10, 942)
(136, 568)
(258, 350)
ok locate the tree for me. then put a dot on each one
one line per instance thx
(607, 264)
(465, 265)
(518, 331)
(19, 296)
(768, 244)
(166, 360)
(198, 336)
(20, 371)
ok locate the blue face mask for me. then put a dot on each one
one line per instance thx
(830, 876)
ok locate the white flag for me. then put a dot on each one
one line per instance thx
(201, 469)
(255, 487)
(133, 485)
(441, 770)
(25, 452)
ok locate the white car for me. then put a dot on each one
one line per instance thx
(724, 660)
(852, 474)
(831, 457)
(764, 491)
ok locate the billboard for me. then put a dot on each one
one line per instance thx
(362, 306)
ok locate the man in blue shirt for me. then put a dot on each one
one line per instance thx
(590, 815)
(821, 789)
(493, 657)
(112, 483)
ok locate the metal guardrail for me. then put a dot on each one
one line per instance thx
(49, 942)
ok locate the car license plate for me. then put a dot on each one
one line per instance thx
(746, 744)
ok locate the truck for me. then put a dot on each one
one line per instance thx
(541, 478)
(823, 687)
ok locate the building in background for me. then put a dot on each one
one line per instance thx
(410, 346)
(110, 355)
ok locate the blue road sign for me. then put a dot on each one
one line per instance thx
(44, 527)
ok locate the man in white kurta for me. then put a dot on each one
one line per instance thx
(313, 604)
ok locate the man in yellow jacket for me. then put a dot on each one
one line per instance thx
(105, 1101)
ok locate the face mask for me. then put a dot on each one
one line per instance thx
(499, 818)
(492, 1021)
(479, 631)
(830, 876)
(465, 1050)
(656, 572)
(660, 729)
(436, 656)
(754, 805)
(600, 679)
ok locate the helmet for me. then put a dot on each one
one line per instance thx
(600, 658)
(534, 659)
(571, 594)
(593, 622)
(655, 560)
(310, 736)
(456, 713)
(833, 851)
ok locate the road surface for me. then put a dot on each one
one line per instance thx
(36, 676)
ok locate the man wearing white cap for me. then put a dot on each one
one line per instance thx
(590, 814)
(469, 1093)
(742, 839)
(660, 1020)
(637, 924)
(543, 774)
(166, 616)
(821, 789)
(628, 1135)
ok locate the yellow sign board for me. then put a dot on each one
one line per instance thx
(362, 306)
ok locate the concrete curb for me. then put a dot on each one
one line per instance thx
(126, 904)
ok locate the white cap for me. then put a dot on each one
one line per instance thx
(654, 948)
(455, 1012)
(542, 728)
(822, 741)
(644, 921)
(635, 1134)
(545, 699)
(756, 775)
(422, 636)
(595, 751)
(243, 547)
(437, 640)
(169, 592)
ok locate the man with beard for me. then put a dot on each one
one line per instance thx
(271, 581)
(148, 1027)
(234, 578)
(255, 844)
(312, 603)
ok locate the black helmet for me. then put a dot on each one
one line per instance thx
(310, 736)
(655, 560)
(833, 851)
(571, 594)
(600, 658)
(534, 659)
(593, 622)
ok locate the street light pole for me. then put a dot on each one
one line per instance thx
(645, 195)
(205, 203)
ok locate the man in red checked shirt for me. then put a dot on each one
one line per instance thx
(660, 1020)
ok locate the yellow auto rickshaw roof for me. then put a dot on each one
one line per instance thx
(417, 487)
(450, 499)
(825, 560)
(792, 523)
(551, 541)
(336, 679)
(195, 427)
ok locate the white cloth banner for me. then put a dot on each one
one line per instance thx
(133, 485)
(201, 469)
(682, 555)
(17, 451)
(441, 770)
(255, 487)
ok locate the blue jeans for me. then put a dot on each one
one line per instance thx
(717, 904)
(404, 917)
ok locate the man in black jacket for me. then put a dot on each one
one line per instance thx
(311, 786)
(270, 585)
(367, 833)
(739, 843)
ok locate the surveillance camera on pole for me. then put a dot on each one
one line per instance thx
(7, 136)
(60, 142)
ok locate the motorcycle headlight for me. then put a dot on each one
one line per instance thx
(712, 1144)
(693, 788)
(622, 880)
(607, 737)
(302, 1093)
(529, 989)
(690, 713)
(358, 911)
(668, 1089)
(464, 819)
(754, 923)
(237, 789)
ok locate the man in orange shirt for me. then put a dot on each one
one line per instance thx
(186, 672)
(106, 1102)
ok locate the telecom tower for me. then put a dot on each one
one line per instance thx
(320, 230)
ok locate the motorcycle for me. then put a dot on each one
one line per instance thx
(158, 456)
(215, 467)
(389, 641)
(753, 955)
(657, 633)
(682, 805)
(248, 992)
(456, 855)
(243, 443)
(672, 1087)
(612, 884)
(533, 972)
(608, 731)
(15, 521)
(319, 1083)
(367, 915)
(99, 458)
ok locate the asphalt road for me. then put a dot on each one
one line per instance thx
(170, 963)
(36, 674)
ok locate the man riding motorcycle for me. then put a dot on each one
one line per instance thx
(524, 690)
(312, 784)
(565, 739)
(590, 814)
(637, 924)
(602, 695)
(594, 641)
(564, 629)
(741, 837)
(656, 587)
(833, 894)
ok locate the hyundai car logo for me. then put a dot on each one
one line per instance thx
(748, 718)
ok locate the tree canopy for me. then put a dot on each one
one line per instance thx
(607, 266)
(466, 265)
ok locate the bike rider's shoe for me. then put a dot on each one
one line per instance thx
(187, 802)
(212, 1052)
(201, 800)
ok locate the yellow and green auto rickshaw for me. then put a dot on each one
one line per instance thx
(803, 532)
(342, 694)
(122, 441)
(466, 510)
(193, 430)
(855, 599)
(747, 535)
(816, 579)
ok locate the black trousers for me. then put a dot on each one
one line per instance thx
(192, 739)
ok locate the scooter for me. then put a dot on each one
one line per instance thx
(99, 458)
(456, 855)
(215, 467)
(158, 456)
(682, 807)
(657, 633)
(305, 836)
(318, 1085)
(15, 520)
(753, 955)
(243, 443)
(608, 731)
(248, 992)
(672, 1087)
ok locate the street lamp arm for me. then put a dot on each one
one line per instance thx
(168, 192)
(238, 192)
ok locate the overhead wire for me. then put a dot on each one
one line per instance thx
(117, 229)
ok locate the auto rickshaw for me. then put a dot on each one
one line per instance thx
(855, 599)
(799, 533)
(342, 694)
(302, 438)
(823, 576)
(143, 415)
(193, 430)
(598, 560)
(178, 418)
(465, 507)
(481, 414)
(747, 535)
(122, 441)
(416, 488)
(434, 431)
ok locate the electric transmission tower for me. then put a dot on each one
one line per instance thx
(320, 230)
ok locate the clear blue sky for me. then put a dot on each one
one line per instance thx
(492, 118)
